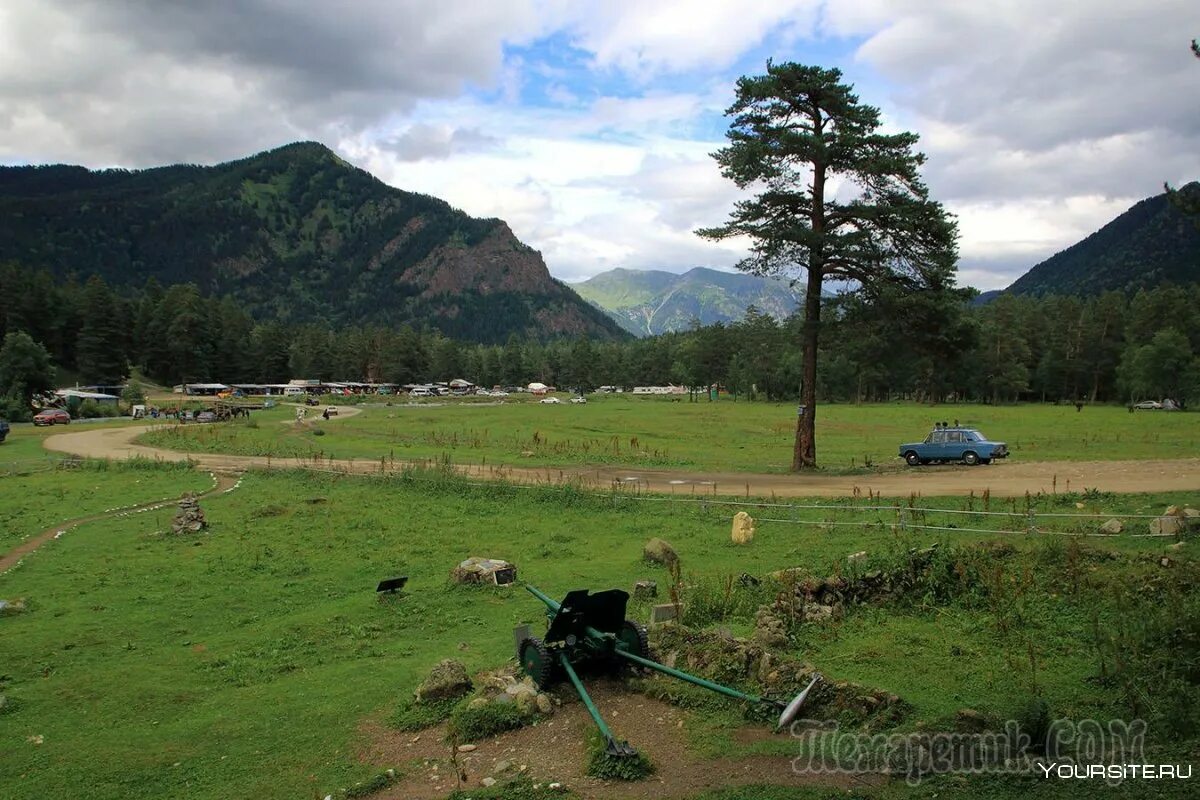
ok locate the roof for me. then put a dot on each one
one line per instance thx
(82, 395)
(206, 385)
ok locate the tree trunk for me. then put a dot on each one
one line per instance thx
(804, 455)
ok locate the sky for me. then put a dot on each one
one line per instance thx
(589, 125)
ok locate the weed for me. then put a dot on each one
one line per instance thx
(472, 724)
(413, 716)
(607, 767)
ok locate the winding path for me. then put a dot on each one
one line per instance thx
(222, 482)
(1005, 479)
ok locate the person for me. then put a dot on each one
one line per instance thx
(325, 414)
(956, 423)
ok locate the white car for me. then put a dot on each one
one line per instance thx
(1147, 405)
(579, 400)
(550, 401)
(498, 394)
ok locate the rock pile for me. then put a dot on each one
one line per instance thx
(770, 631)
(190, 517)
(505, 688)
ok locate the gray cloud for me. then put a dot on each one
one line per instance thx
(421, 141)
(137, 82)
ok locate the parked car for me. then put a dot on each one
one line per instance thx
(331, 411)
(420, 393)
(52, 416)
(3, 429)
(206, 416)
(312, 401)
(550, 401)
(1147, 405)
(579, 400)
(953, 444)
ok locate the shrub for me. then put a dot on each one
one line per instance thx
(413, 716)
(606, 767)
(470, 724)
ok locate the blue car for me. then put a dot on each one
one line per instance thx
(953, 444)
(3, 429)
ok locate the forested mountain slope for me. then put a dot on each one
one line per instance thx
(295, 234)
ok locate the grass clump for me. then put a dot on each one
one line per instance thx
(413, 716)
(468, 724)
(370, 786)
(609, 768)
(521, 788)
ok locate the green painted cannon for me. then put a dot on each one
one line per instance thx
(590, 631)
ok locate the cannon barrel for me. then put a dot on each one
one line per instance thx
(550, 604)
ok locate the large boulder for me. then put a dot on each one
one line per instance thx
(447, 680)
(660, 552)
(743, 528)
(1167, 526)
(645, 590)
(484, 570)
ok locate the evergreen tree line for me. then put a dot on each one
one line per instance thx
(929, 347)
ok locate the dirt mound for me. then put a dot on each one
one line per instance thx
(556, 750)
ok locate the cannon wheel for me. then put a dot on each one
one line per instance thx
(633, 636)
(537, 663)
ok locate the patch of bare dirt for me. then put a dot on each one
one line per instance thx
(556, 750)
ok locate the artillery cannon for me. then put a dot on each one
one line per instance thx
(590, 630)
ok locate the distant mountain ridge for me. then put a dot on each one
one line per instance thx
(649, 302)
(294, 233)
(1150, 244)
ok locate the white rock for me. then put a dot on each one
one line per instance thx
(467, 748)
(743, 528)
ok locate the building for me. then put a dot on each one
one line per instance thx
(66, 395)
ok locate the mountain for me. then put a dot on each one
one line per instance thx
(646, 302)
(1148, 245)
(294, 233)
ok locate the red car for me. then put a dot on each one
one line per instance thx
(52, 416)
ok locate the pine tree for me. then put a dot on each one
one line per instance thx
(100, 349)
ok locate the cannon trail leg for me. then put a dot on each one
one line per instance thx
(683, 676)
(612, 746)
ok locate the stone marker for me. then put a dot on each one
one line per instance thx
(190, 517)
(665, 612)
(484, 570)
(644, 590)
(743, 528)
(659, 551)
(520, 634)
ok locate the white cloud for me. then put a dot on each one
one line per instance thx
(1041, 121)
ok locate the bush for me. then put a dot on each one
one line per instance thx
(470, 724)
(413, 716)
(90, 409)
(602, 765)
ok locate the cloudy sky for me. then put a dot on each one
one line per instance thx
(587, 124)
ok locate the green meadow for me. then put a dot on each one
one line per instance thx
(244, 662)
(655, 432)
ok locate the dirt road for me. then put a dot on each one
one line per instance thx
(1004, 479)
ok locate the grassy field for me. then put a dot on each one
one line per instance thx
(749, 437)
(243, 662)
(23, 446)
(32, 502)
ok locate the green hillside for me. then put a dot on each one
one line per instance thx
(648, 302)
(295, 234)
(1150, 244)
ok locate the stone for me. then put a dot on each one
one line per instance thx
(467, 748)
(1176, 546)
(743, 528)
(448, 679)
(645, 590)
(10, 608)
(1173, 511)
(815, 612)
(527, 703)
(859, 556)
(769, 629)
(501, 766)
(1166, 526)
(664, 612)
(968, 720)
(1191, 513)
(488, 782)
(190, 517)
(659, 551)
(544, 705)
(1112, 526)
(484, 570)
